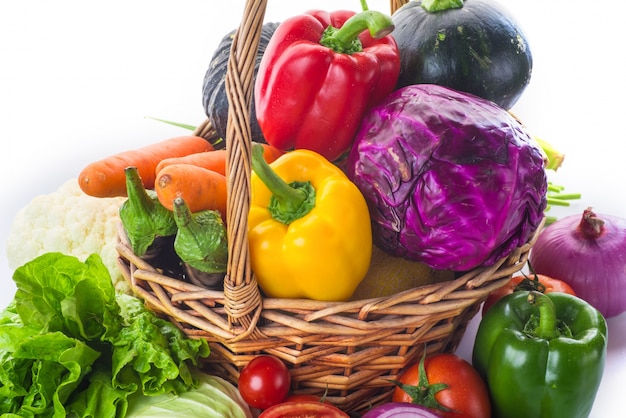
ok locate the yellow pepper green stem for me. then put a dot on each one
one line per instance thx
(289, 201)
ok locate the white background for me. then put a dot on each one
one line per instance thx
(79, 78)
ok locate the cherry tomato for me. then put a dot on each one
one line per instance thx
(539, 282)
(465, 393)
(265, 381)
(304, 409)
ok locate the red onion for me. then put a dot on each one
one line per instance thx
(588, 253)
(399, 410)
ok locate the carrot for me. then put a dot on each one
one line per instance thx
(211, 160)
(106, 178)
(215, 160)
(200, 188)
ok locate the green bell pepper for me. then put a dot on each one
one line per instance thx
(542, 355)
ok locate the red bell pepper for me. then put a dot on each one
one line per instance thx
(319, 74)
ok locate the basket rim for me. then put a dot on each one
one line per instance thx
(174, 297)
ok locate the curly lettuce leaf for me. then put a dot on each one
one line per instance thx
(151, 354)
(99, 398)
(71, 347)
(39, 372)
(56, 292)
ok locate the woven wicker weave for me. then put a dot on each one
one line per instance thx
(347, 350)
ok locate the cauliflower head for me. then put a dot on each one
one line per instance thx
(71, 222)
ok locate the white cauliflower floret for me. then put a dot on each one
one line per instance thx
(71, 222)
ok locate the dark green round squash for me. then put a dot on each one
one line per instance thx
(214, 97)
(477, 48)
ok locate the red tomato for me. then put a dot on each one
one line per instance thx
(304, 409)
(265, 381)
(303, 398)
(539, 282)
(466, 394)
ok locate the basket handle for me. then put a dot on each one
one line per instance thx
(396, 4)
(241, 292)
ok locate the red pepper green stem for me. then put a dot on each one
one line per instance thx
(547, 327)
(289, 201)
(432, 6)
(346, 39)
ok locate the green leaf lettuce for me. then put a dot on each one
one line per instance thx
(70, 346)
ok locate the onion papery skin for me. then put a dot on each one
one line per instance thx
(594, 267)
(400, 409)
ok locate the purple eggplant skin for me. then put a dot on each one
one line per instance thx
(451, 180)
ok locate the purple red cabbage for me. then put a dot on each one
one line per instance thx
(452, 180)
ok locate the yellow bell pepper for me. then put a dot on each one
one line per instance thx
(309, 227)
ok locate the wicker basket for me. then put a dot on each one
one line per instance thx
(349, 351)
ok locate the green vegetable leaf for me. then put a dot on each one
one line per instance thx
(39, 372)
(173, 123)
(100, 399)
(151, 354)
(71, 347)
(56, 292)
(59, 365)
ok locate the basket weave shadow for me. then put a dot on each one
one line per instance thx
(349, 351)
